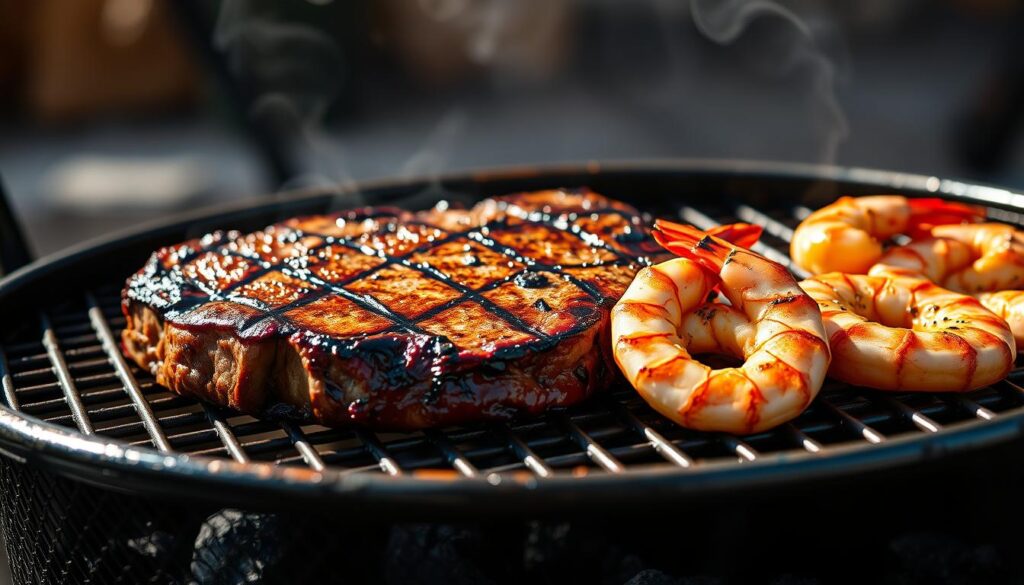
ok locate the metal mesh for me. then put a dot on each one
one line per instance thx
(66, 368)
(69, 371)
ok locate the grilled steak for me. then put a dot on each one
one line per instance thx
(393, 319)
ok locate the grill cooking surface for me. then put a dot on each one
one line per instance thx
(69, 371)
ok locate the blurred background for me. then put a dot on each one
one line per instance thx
(114, 112)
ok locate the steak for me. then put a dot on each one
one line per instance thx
(393, 319)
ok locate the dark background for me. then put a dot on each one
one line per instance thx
(113, 113)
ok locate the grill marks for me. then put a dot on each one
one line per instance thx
(661, 276)
(960, 345)
(643, 310)
(418, 319)
(283, 283)
(798, 379)
(904, 350)
(756, 399)
(951, 342)
(669, 368)
(643, 338)
(995, 341)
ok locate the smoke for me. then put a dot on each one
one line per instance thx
(432, 156)
(516, 42)
(293, 72)
(723, 21)
(484, 44)
(792, 47)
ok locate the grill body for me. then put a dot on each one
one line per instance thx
(109, 478)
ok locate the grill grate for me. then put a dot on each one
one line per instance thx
(70, 371)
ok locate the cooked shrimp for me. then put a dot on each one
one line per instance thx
(665, 318)
(902, 333)
(743, 235)
(983, 257)
(1008, 304)
(847, 235)
(972, 259)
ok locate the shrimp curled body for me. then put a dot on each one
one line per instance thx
(664, 318)
(903, 333)
(847, 236)
(985, 260)
(1008, 304)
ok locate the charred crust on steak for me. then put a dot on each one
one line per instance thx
(581, 374)
(393, 319)
(530, 279)
(631, 235)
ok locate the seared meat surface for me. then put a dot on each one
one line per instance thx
(394, 319)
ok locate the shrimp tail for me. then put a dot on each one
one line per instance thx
(929, 212)
(704, 248)
(744, 235)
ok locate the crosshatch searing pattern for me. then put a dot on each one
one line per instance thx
(392, 270)
(395, 319)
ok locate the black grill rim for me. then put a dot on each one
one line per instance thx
(258, 485)
(136, 470)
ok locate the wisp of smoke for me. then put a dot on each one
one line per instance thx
(432, 156)
(283, 66)
(725, 21)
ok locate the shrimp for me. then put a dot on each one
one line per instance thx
(903, 333)
(847, 235)
(985, 260)
(1009, 305)
(665, 318)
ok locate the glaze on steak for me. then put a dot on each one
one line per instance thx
(393, 319)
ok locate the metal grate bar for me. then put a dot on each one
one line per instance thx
(227, 436)
(870, 435)
(769, 223)
(10, 397)
(974, 408)
(705, 222)
(378, 452)
(451, 453)
(775, 228)
(1014, 385)
(663, 446)
(64, 377)
(744, 451)
(531, 460)
(918, 418)
(298, 438)
(131, 385)
(808, 443)
(595, 452)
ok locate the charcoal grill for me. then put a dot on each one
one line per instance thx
(109, 477)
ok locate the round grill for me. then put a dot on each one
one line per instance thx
(75, 408)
